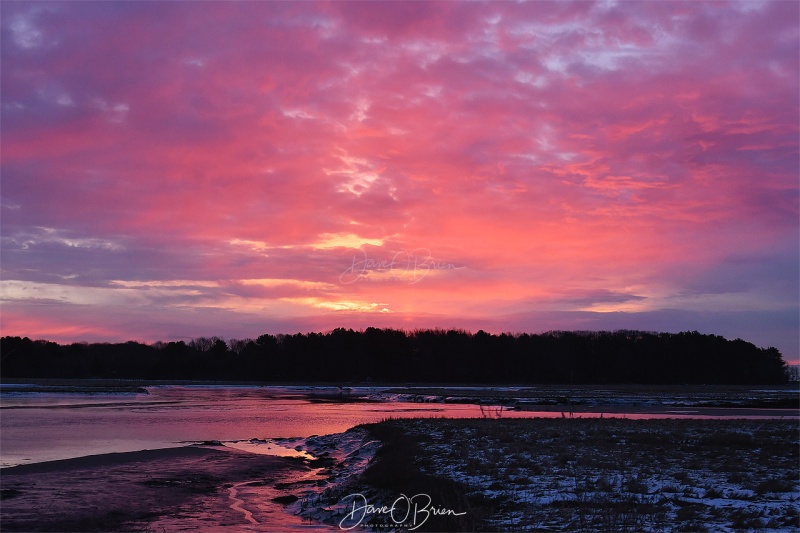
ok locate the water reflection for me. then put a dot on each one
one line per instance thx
(50, 425)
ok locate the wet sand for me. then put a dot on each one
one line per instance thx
(188, 488)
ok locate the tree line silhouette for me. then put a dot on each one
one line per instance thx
(422, 356)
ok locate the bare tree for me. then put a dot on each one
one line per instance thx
(237, 346)
(202, 344)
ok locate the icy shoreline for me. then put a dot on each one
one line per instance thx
(339, 460)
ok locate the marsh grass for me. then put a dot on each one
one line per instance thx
(594, 474)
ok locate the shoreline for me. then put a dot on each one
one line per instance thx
(104, 459)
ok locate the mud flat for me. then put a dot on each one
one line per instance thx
(188, 488)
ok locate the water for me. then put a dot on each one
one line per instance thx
(43, 426)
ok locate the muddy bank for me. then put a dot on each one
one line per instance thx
(197, 488)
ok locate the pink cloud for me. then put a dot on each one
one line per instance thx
(571, 157)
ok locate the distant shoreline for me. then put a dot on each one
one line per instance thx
(631, 398)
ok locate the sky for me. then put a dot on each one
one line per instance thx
(170, 170)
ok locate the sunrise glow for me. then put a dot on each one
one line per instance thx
(178, 169)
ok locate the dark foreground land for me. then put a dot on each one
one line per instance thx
(584, 475)
(463, 475)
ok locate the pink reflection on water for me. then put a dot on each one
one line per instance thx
(38, 427)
